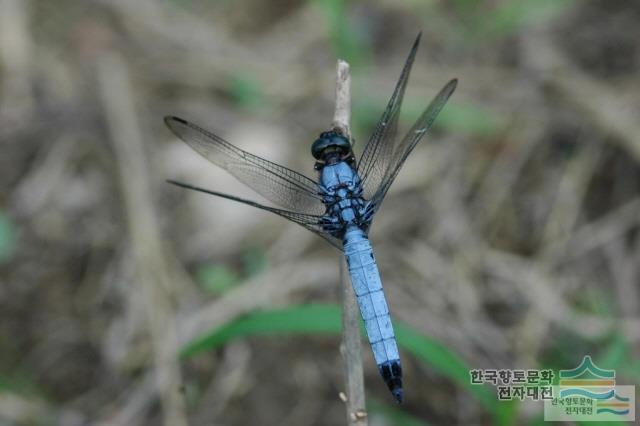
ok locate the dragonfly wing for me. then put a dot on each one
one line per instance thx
(378, 152)
(411, 139)
(278, 184)
(311, 222)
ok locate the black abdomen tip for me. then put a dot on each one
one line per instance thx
(397, 393)
(391, 372)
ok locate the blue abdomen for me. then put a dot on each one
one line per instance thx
(367, 285)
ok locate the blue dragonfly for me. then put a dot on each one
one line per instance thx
(341, 205)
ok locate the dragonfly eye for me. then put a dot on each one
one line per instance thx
(330, 142)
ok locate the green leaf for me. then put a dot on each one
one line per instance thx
(246, 91)
(616, 353)
(447, 363)
(538, 420)
(489, 21)
(511, 16)
(596, 301)
(19, 382)
(326, 319)
(343, 39)
(632, 371)
(601, 423)
(216, 278)
(254, 261)
(505, 413)
(306, 319)
(7, 237)
(470, 119)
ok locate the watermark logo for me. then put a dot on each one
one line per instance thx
(590, 393)
(512, 385)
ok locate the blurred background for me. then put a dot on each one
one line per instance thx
(509, 240)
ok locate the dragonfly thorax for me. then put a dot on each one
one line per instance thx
(341, 191)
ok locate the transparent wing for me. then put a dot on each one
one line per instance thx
(311, 222)
(276, 183)
(378, 152)
(406, 145)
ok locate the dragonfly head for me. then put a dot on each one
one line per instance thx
(331, 147)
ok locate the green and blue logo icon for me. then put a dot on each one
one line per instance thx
(590, 393)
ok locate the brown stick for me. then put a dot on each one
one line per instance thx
(342, 114)
(354, 380)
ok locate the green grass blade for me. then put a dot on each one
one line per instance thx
(246, 91)
(510, 17)
(449, 364)
(216, 278)
(343, 40)
(468, 118)
(7, 237)
(326, 319)
(304, 319)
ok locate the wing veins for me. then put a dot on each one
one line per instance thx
(380, 146)
(293, 189)
(411, 139)
(308, 221)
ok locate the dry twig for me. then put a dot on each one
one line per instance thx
(350, 325)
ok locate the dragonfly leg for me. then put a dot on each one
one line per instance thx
(331, 224)
(366, 214)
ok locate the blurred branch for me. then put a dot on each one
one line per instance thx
(37, 187)
(598, 101)
(275, 285)
(623, 267)
(598, 233)
(229, 379)
(16, 409)
(133, 404)
(566, 207)
(545, 293)
(145, 240)
(15, 52)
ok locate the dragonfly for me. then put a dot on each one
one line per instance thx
(340, 204)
